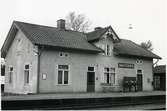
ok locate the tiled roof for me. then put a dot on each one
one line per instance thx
(160, 69)
(51, 36)
(94, 35)
(127, 47)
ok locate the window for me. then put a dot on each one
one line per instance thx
(108, 50)
(139, 61)
(62, 54)
(26, 74)
(90, 68)
(139, 71)
(63, 74)
(109, 75)
(10, 74)
(66, 54)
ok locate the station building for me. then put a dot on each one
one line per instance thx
(43, 59)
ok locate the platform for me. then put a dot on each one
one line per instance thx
(81, 95)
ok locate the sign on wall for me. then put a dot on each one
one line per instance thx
(126, 65)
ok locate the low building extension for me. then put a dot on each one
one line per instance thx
(160, 77)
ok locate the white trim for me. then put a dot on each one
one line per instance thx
(110, 50)
(110, 74)
(69, 78)
(9, 76)
(25, 83)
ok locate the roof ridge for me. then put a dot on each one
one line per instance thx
(142, 47)
(98, 30)
(45, 26)
(33, 24)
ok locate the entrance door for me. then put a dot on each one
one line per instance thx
(139, 82)
(157, 82)
(90, 81)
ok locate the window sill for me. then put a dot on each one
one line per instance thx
(62, 84)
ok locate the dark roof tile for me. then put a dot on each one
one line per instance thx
(94, 35)
(51, 36)
(127, 47)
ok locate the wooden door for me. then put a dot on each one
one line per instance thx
(139, 82)
(90, 81)
(157, 82)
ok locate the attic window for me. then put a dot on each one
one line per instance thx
(66, 54)
(62, 54)
(108, 50)
(110, 35)
(139, 61)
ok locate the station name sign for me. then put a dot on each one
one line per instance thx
(126, 65)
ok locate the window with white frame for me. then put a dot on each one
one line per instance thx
(109, 75)
(63, 74)
(26, 74)
(10, 74)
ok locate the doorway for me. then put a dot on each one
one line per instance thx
(90, 79)
(139, 82)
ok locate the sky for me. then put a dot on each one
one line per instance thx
(146, 16)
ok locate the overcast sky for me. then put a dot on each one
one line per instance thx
(146, 16)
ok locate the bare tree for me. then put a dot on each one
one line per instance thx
(77, 22)
(147, 45)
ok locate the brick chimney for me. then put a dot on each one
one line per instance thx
(61, 24)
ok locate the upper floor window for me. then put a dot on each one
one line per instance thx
(108, 50)
(10, 74)
(63, 74)
(109, 75)
(26, 74)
